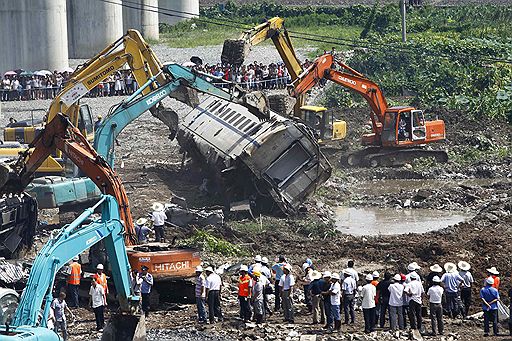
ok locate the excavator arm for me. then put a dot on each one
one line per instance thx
(235, 51)
(62, 135)
(326, 67)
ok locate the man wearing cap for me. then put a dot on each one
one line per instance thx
(383, 293)
(145, 288)
(277, 270)
(396, 292)
(142, 230)
(435, 297)
(348, 288)
(369, 293)
(286, 283)
(490, 298)
(435, 270)
(452, 281)
(244, 293)
(493, 273)
(213, 285)
(325, 284)
(334, 294)
(200, 294)
(158, 216)
(415, 290)
(465, 286)
(257, 297)
(315, 288)
(74, 282)
(101, 278)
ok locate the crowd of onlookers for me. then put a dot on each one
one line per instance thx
(24, 86)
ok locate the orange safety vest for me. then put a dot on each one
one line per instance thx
(243, 286)
(74, 277)
(101, 280)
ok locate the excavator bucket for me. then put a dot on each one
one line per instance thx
(125, 328)
(234, 51)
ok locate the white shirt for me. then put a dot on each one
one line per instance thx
(396, 291)
(287, 281)
(467, 279)
(213, 282)
(435, 294)
(97, 296)
(336, 293)
(264, 280)
(369, 292)
(353, 273)
(349, 285)
(158, 218)
(416, 290)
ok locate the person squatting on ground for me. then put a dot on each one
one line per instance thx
(435, 298)
(213, 285)
(369, 292)
(74, 282)
(244, 293)
(200, 294)
(287, 283)
(97, 303)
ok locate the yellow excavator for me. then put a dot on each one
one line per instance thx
(130, 49)
(319, 118)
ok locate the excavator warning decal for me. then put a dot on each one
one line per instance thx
(74, 94)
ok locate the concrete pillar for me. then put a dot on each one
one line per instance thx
(33, 35)
(92, 25)
(143, 18)
(188, 6)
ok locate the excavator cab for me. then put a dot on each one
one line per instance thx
(403, 126)
(324, 123)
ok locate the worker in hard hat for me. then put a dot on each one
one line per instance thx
(97, 123)
(200, 295)
(101, 278)
(244, 293)
(258, 297)
(74, 282)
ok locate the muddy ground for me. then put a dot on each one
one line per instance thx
(477, 179)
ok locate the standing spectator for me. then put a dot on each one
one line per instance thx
(306, 281)
(435, 297)
(59, 307)
(452, 280)
(315, 289)
(244, 293)
(287, 284)
(324, 286)
(265, 271)
(415, 291)
(493, 273)
(74, 281)
(277, 270)
(257, 298)
(465, 286)
(200, 295)
(101, 278)
(136, 281)
(213, 285)
(396, 291)
(97, 302)
(383, 292)
(435, 270)
(145, 288)
(375, 283)
(349, 287)
(335, 298)
(97, 123)
(158, 216)
(256, 265)
(142, 230)
(369, 293)
(490, 298)
(350, 268)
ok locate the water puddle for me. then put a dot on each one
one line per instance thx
(370, 221)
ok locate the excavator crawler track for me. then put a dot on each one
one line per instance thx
(234, 51)
(382, 157)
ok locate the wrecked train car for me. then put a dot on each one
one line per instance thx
(18, 223)
(267, 164)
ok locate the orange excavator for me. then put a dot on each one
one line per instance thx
(398, 135)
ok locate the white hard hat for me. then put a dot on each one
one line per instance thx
(264, 260)
(199, 268)
(413, 266)
(305, 266)
(157, 207)
(369, 277)
(397, 277)
(76, 258)
(436, 279)
(209, 269)
(375, 274)
(335, 276)
(257, 258)
(326, 274)
(489, 280)
(99, 266)
(244, 268)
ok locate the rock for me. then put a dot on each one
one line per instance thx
(416, 335)
(307, 338)
(293, 333)
(407, 203)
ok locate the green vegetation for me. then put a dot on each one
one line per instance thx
(206, 241)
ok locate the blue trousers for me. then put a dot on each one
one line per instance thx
(201, 309)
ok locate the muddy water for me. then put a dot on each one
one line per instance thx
(388, 221)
